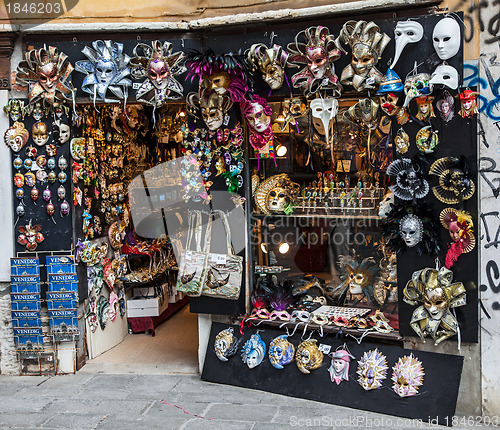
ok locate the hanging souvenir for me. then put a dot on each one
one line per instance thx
(40, 133)
(409, 182)
(91, 315)
(61, 109)
(390, 97)
(426, 140)
(116, 234)
(77, 148)
(339, 368)
(31, 152)
(308, 356)
(15, 110)
(61, 132)
(445, 106)
(16, 136)
(281, 352)
(253, 351)
(28, 163)
(271, 62)
(37, 111)
(438, 295)
(468, 103)
(425, 109)
(52, 177)
(61, 192)
(159, 64)
(30, 236)
(455, 182)
(407, 376)
(41, 176)
(41, 161)
(46, 194)
(51, 163)
(30, 179)
(226, 74)
(65, 208)
(317, 49)
(34, 194)
(62, 163)
(213, 107)
(416, 85)
(107, 71)
(411, 227)
(102, 311)
(62, 177)
(460, 225)
(17, 163)
(47, 74)
(276, 194)
(367, 44)
(372, 369)
(113, 305)
(402, 142)
(445, 75)
(51, 150)
(20, 210)
(50, 209)
(226, 344)
(20, 193)
(406, 32)
(294, 108)
(257, 114)
(446, 38)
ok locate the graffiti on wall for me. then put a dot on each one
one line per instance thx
(480, 16)
(489, 99)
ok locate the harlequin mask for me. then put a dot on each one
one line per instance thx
(411, 230)
(416, 86)
(367, 45)
(386, 204)
(339, 368)
(39, 133)
(407, 376)
(16, 136)
(281, 351)
(37, 111)
(425, 109)
(308, 356)
(445, 106)
(446, 38)
(15, 109)
(437, 293)
(372, 369)
(406, 32)
(30, 236)
(253, 351)
(318, 54)
(469, 104)
(61, 132)
(271, 62)
(47, 194)
(62, 177)
(226, 344)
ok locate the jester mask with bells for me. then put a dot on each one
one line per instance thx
(407, 376)
(226, 344)
(406, 32)
(271, 63)
(367, 44)
(372, 369)
(47, 73)
(438, 294)
(276, 194)
(30, 236)
(15, 109)
(308, 356)
(213, 107)
(107, 70)
(318, 51)
(226, 74)
(159, 64)
(16, 136)
(455, 183)
(257, 114)
(460, 226)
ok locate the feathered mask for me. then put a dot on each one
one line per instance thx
(257, 114)
(460, 225)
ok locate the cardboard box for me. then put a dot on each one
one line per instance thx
(139, 307)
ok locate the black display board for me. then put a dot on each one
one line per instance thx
(436, 398)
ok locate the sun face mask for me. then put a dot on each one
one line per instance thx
(39, 133)
(446, 38)
(16, 137)
(308, 356)
(367, 45)
(339, 368)
(437, 293)
(318, 51)
(226, 344)
(281, 352)
(406, 32)
(253, 351)
(271, 63)
(372, 369)
(276, 194)
(445, 75)
(407, 376)
(159, 64)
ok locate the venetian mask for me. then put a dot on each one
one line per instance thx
(425, 109)
(411, 230)
(39, 133)
(226, 344)
(386, 204)
(281, 352)
(16, 136)
(469, 104)
(61, 132)
(259, 118)
(15, 109)
(213, 117)
(445, 106)
(277, 199)
(406, 32)
(389, 103)
(308, 356)
(253, 351)
(271, 62)
(407, 376)
(37, 111)
(30, 236)
(158, 73)
(257, 113)
(339, 368)
(446, 38)
(279, 184)
(323, 112)
(213, 107)
(372, 369)
(454, 180)
(460, 226)
(409, 181)
(416, 86)
(402, 141)
(48, 76)
(445, 75)
(359, 280)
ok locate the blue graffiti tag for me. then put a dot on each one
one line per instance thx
(489, 107)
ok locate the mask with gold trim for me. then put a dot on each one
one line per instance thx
(226, 344)
(372, 369)
(253, 351)
(308, 356)
(271, 62)
(408, 376)
(281, 351)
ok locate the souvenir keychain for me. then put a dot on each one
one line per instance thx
(28, 163)
(46, 194)
(20, 211)
(65, 208)
(30, 179)
(50, 208)
(61, 192)
(34, 194)
(17, 163)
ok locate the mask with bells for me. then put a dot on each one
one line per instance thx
(213, 107)
(65, 208)
(271, 63)
(425, 109)
(411, 230)
(15, 109)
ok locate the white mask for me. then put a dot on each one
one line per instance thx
(64, 133)
(406, 32)
(325, 110)
(385, 205)
(445, 75)
(446, 38)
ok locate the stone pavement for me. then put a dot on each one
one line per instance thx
(123, 402)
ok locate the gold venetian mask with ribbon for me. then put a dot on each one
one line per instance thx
(308, 356)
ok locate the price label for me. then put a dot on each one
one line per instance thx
(343, 165)
(218, 258)
(136, 85)
(226, 120)
(370, 81)
(325, 349)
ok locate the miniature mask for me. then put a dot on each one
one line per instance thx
(445, 106)
(16, 136)
(271, 62)
(406, 32)
(372, 369)
(469, 104)
(34, 193)
(446, 38)
(65, 208)
(437, 293)
(19, 180)
(17, 163)
(386, 204)
(402, 141)
(46, 194)
(445, 75)
(425, 110)
(281, 352)
(339, 368)
(253, 351)
(61, 192)
(308, 356)
(20, 193)
(367, 45)
(460, 226)
(39, 133)
(226, 344)
(411, 230)
(407, 376)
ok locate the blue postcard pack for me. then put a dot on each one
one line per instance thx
(60, 264)
(63, 282)
(26, 319)
(28, 338)
(25, 283)
(25, 302)
(61, 300)
(24, 266)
